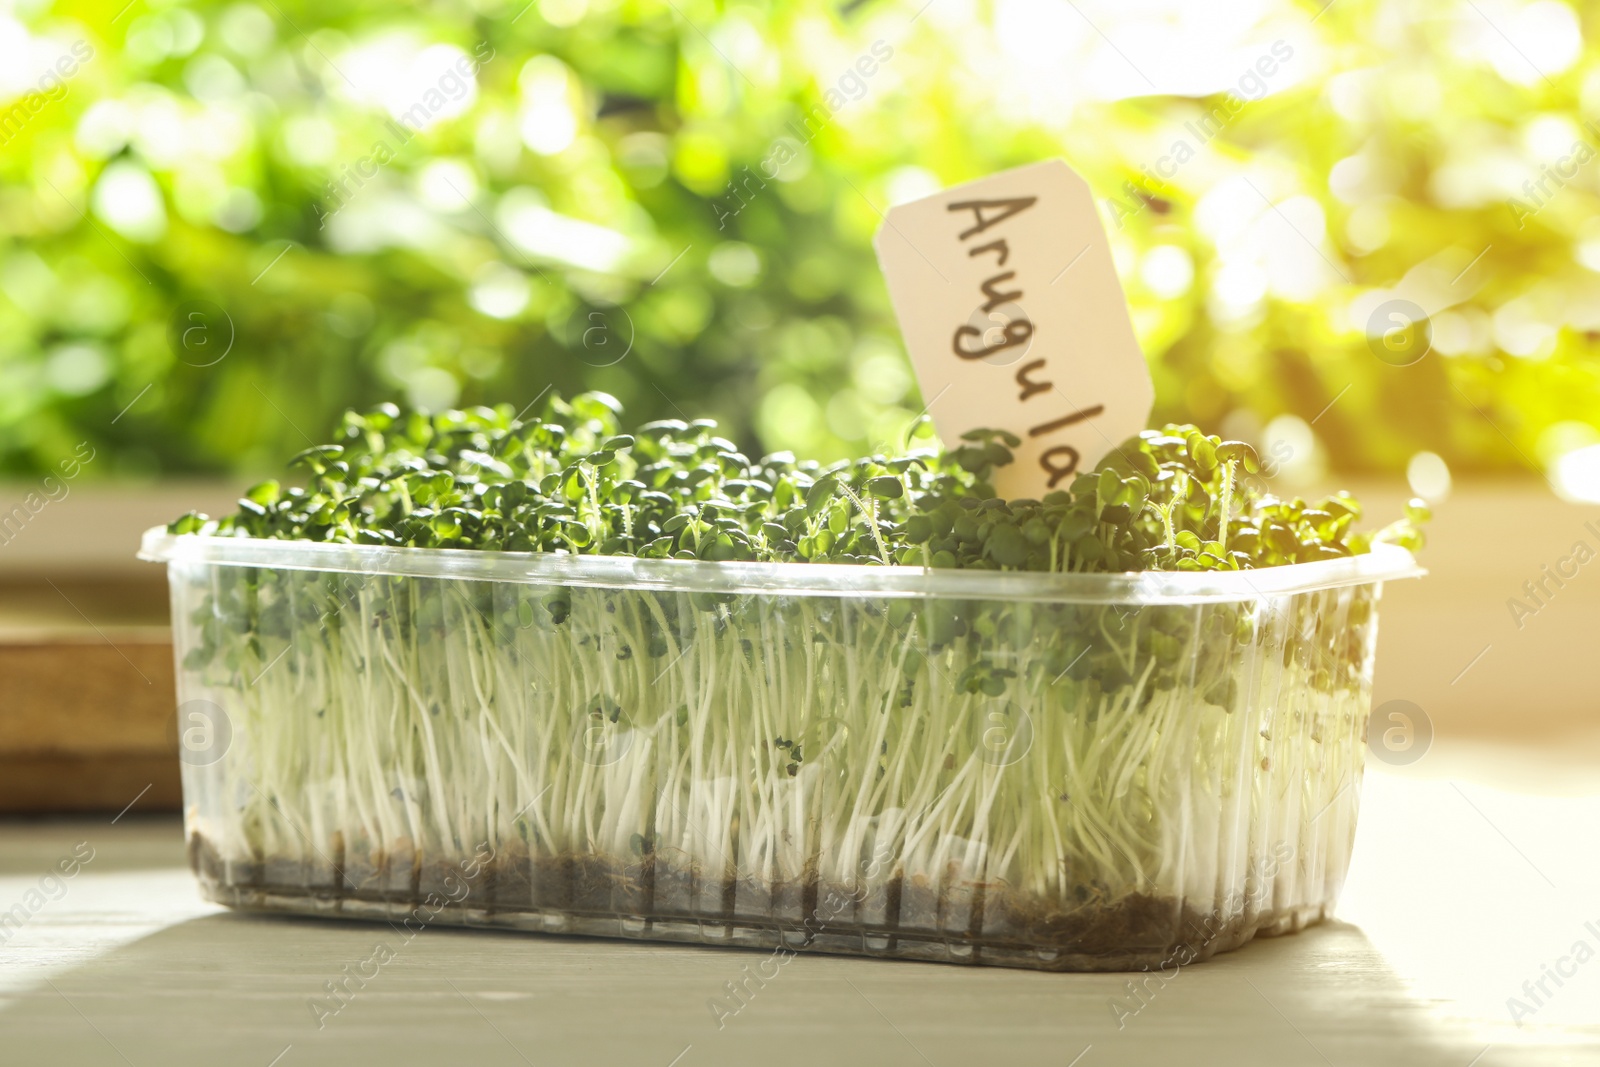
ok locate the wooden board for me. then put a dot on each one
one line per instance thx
(86, 697)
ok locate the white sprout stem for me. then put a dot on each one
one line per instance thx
(1224, 503)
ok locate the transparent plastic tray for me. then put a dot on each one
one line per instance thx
(1063, 772)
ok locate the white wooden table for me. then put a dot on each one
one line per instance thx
(1460, 892)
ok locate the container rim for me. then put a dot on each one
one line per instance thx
(1383, 563)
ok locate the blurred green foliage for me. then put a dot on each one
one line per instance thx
(179, 288)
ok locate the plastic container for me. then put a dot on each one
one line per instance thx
(1063, 772)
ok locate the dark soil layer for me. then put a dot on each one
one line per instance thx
(961, 922)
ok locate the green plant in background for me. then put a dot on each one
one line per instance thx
(222, 223)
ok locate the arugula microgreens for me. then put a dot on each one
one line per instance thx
(569, 481)
(1051, 756)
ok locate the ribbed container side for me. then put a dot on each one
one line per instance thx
(1067, 775)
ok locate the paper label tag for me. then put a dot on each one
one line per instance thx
(1012, 313)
